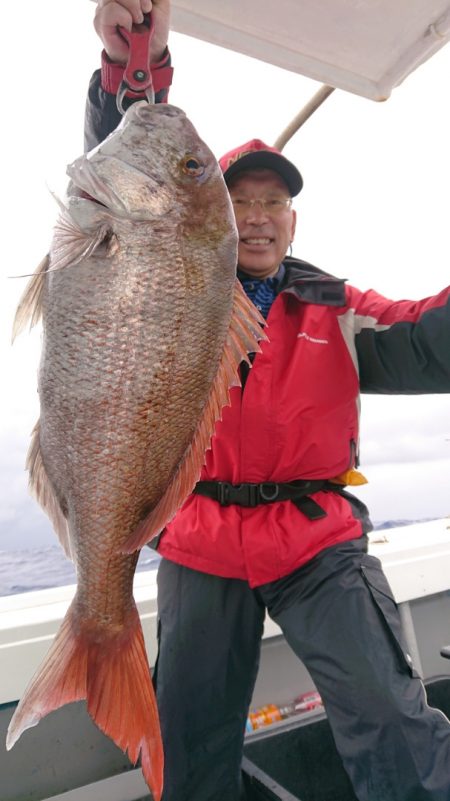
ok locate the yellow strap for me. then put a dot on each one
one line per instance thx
(351, 478)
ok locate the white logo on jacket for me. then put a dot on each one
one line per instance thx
(304, 335)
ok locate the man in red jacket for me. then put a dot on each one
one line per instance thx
(270, 525)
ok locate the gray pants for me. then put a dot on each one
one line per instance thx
(338, 615)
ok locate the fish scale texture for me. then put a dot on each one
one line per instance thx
(144, 329)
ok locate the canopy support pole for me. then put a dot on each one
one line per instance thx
(316, 101)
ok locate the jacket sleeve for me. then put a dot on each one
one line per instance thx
(402, 347)
(102, 115)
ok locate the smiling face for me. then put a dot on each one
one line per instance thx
(264, 235)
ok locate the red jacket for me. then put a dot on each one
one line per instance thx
(298, 417)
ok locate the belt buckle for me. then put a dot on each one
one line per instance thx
(243, 494)
(223, 493)
(252, 495)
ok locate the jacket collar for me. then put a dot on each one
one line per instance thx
(312, 285)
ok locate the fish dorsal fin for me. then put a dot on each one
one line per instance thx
(44, 493)
(244, 335)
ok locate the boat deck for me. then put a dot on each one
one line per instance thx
(66, 758)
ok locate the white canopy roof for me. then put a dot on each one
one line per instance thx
(363, 46)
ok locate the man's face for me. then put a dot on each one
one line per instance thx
(264, 235)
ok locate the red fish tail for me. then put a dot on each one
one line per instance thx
(121, 700)
(111, 672)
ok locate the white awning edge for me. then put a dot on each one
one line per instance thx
(369, 60)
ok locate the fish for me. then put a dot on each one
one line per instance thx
(144, 328)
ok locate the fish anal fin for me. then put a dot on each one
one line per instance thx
(44, 493)
(30, 304)
(109, 670)
(245, 333)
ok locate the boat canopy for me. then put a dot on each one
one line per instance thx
(362, 46)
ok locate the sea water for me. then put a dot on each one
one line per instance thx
(47, 566)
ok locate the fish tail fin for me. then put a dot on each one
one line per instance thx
(30, 304)
(121, 700)
(112, 673)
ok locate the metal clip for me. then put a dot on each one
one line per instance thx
(137, 76)
(269, 491)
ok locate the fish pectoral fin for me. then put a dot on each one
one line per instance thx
(244, 336)
(110, 670)
(42, 489)
(71, 244)
(30, 304)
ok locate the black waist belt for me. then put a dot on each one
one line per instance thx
(268, 492)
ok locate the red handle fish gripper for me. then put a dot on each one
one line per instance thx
(137, 76)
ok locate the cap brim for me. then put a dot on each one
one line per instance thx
(271, 161)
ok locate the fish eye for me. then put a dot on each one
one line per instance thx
(192, 166)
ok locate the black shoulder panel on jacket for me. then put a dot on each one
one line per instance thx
(310, 284)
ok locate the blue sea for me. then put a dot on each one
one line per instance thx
(40, 568)
(46, 566)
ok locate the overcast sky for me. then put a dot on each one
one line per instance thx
(374, 209)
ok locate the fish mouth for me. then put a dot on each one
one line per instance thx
(86, 184)
(86, 196)
(126, 191)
